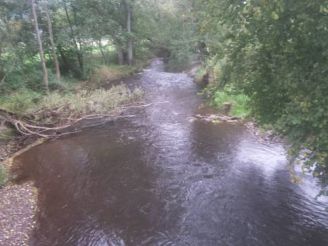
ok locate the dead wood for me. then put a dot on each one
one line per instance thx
(26, 124)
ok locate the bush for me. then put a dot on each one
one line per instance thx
(240, 102)
(200, 75)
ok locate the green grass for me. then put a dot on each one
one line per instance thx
(240, 102)
(3, 175)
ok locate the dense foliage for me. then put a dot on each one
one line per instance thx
(170, 28)
(80, 35)
(276, 53)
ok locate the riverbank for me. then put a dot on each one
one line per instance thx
(103, 96)
(17, 202)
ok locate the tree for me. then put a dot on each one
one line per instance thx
(128, 11)
(274, 51)
(52, 42)
(41, 51)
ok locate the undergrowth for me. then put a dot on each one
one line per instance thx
(73, 96)
(87, 102)
(110, 73)
(239, 101)
(58, 104)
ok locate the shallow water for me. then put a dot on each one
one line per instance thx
(164, 178)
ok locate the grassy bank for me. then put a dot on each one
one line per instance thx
(107, 74)
(68, 101)
(239, 102)
(77, 97)
(65, 103)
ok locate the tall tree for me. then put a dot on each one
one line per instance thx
(77, 45)
(41, 51)
(52, 42)
(128, 9)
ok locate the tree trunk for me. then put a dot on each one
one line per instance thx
(120, 55)
(102, 51)
(53, 46)
(66, 64)
(41, 52)
(128, 27)
(77, 50)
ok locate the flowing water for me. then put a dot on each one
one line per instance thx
(165, 178)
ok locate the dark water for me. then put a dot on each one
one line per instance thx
(163, 178)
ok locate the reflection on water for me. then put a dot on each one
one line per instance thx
(160, 179)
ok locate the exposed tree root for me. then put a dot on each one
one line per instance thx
(26, 125)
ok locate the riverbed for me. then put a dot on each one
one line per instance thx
(164, 177)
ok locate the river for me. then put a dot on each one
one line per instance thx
(166, 178)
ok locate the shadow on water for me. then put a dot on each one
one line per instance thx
(163, 178)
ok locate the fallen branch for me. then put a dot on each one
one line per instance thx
(26, 126)
(27, 129)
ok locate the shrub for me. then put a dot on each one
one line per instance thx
(240, 102)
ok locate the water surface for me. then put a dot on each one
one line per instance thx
(164, 178)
